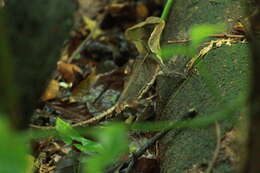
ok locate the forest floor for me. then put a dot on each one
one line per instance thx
(91, 74)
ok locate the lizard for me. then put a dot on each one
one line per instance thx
(149, 64)
(146, 37)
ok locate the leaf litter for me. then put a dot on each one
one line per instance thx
(94, 68)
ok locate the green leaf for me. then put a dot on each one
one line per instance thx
(88, 145)
(199, 33)
(114, 140)
(13, 149)
(170, 50)
(66, 132)
(68, 135)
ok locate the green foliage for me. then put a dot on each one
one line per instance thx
(13, 150)
(114, 140)
(222, 112)
(68, 135)
(168, 51)
(198, 34)
(112, 143)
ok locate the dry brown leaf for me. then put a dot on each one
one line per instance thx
(51, 91)
(147, 165)
(116, 8)
(239, 28)
(68, 71)
(84, 87)
(142, 11)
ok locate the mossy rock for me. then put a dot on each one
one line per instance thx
(228, 68)
(217, 81)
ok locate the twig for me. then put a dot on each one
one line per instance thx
(41, 127)
(212, 35)
(216, 152)
(227, 36)
(87, 40)
(66, 112)
(141, 151)
(85, 122)
(178, 41)
(96, 118)
(130, 161)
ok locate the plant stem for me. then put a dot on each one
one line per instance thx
(166, 9)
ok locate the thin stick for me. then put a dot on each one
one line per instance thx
(216, 152)
(178, 41)
(87, 39)
(96, 118)
(213, 35)
(141, 151)
(227, 35)
(130, 161)
(83, 123)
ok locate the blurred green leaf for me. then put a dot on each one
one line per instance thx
(66, 132)
(199, 33)
(170, 50)
(88, 145)
(13, 150)
(114, 139)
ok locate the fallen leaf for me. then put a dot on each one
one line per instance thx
(142, 11)
(68, 71)
(147, 165)
(84, 87)
(116, 8)
(238, 28)
(92, 26)
(51, 91)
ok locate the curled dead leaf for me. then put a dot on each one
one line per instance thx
(51, 91)
(68, 71)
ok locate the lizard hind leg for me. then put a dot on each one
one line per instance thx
(171, 73)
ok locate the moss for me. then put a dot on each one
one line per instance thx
(227, 69)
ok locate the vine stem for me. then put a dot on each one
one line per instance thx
(166, 10)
